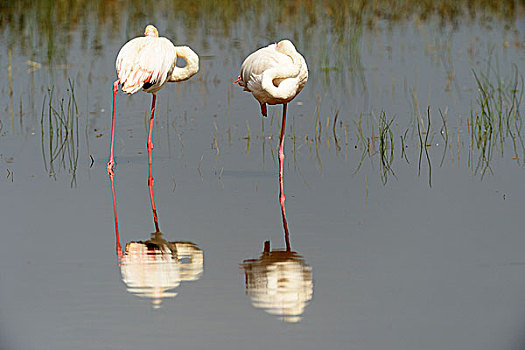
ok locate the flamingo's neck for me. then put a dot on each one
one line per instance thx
(287, 81)
(191, 67)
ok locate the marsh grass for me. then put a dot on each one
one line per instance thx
(386, 146)
(444, 133)
(497, 116)
(423, 145)
(495, 119)
(382, 145)
(404, 145)
(248, 137)
(59, 130)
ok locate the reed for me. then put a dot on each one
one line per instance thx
(495, 119)
(60, 133)
(248, 137)
(444, 133)
(496, 116)
(386, 146)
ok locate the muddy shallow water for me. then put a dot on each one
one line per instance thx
(403, 179)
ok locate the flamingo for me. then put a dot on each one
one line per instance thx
(148, 63)
(275, 75)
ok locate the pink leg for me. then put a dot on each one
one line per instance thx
(264, 111)
(111, 160)
(281, 165)
(117, 239)
(150, 156)
(267, 247)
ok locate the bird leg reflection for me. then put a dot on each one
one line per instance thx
(281, 193)
(111, 160)
(150, 156)
(152, 198)
(279, 281)
(155, 267)
(117, 239)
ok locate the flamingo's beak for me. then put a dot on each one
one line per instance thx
(151, 31)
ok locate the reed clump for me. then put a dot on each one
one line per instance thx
(496, 116)
(59, 131)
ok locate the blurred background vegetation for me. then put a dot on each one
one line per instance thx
(37, 26)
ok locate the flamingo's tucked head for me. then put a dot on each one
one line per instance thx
(286, 47)
(151, 31)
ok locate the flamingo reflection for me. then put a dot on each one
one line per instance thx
(155, 267)
(279, 281)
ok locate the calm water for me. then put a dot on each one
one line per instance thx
(406, 228)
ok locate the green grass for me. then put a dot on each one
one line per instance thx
(496, 116)
(59, 130)
(386, 146)
(493, 128)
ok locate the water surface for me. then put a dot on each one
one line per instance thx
(404, 202)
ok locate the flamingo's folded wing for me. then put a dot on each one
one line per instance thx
(145, 60)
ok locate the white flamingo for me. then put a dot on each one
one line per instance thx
(275, 75)
(148, 63)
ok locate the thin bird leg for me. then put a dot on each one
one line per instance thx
(281, 195)
(150, 156)
(264, 111)
(117, 239)
(266, 247)
(111, 160)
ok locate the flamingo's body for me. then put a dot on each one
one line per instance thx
(148, 63)
(275, 75)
